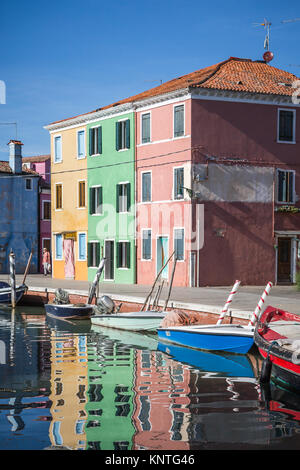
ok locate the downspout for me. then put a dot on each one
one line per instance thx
(273, 226)
(135, 193)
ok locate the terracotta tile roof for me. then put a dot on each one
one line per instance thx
(233, 74)
(36, 159)
(5, 168)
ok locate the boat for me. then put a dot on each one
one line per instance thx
(277, 336)
(5, 293)
(148, 320)
(234, 338)
(138, 340)
(69, 311)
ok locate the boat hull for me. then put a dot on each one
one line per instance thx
(211, 338)
(69, 311)
(131, 321)
(5, 293)
(273, 341)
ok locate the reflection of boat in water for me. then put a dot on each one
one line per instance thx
(131, 338)
(68, 326)
(221, 364)
(282, 400)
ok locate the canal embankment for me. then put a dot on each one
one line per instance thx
(206, 300)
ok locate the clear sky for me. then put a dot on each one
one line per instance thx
(63, 58)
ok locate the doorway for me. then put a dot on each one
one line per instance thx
(109, 260)
(162, 256)
(69, 258)
(284, 272)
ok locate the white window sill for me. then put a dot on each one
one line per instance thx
(286, 141)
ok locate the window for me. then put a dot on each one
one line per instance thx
(146, 246)
(179, 120)
(146, 186)
(94, 254)
(28, 184)
(82, 246)
(178, 183)
(95, 140)
(123, 197)
(58, 246)
(286, 125)
(57, 149)
(96, 200)
(145, 128)
(285, 186)
(58, 196)
(179, 243)
(123, 135)
(80, 144)
(46, 210)
(123, 259)
(81, 193)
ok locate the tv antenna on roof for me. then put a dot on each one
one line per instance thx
(268, 55)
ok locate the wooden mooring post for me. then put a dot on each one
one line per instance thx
(12, 278)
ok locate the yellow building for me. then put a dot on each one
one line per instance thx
(69, 217)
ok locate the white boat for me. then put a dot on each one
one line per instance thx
(149, 320)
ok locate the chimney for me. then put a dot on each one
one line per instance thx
(15, 156)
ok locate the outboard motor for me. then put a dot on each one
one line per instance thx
(105, 305)
(61, 297)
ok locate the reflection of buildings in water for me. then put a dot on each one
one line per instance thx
(110, 395)
(68, 390)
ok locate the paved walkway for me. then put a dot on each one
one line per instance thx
(209, 299)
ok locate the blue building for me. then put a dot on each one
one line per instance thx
(19, 211)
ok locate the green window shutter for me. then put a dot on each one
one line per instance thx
(128, 133)
(100, 200)
(119, 254)
(128, 255)
(92, 201)
(97, 254)
(117, 197)
(117, 136)
(99, 130)
(90, 141)
(128, 196)
(89, 254)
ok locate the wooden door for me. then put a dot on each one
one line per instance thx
(284, 260)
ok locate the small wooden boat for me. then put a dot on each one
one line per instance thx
(277, 336)
(133, 321)
(69, 311)
(5, 293)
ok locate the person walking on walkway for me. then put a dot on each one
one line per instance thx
(46, 261)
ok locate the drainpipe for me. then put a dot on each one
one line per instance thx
(273, 225)
(135, 192)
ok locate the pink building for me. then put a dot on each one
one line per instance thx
(217, 176)
(42, 165)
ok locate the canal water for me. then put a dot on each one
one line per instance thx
(71, 385)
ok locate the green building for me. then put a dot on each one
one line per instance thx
(111, 195)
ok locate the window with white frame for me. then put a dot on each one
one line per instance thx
(95, 140)
(123, 254)
(123, 134)
(58, 196)
(286, 186)
(123, 197)
(146, 244)
(81, 144)
(58, 246)
(57, 149)
(286, 125)
(93, 254)
(146, 186)
(145, 118)
(179, 120)
(179, 243)
(178, 183)
(82, 246)
(46, 210)
(96, 200)
(81, 193)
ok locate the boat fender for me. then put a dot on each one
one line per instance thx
(266, 367)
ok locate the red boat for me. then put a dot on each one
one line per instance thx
(277, 336)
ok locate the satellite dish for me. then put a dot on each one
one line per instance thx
(268, 56)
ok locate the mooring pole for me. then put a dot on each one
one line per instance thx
(12, 271)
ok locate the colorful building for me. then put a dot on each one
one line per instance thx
(19, 220)
(216, 178)
(41, 164)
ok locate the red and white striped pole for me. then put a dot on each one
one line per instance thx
(257, 311)
(228, 302)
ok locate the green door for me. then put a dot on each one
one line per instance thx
(162, 255)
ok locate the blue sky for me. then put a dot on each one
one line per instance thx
(67, 57)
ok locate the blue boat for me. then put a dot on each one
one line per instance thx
(5, 293)
(231, 338)
(69, 311)
(220, 364)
